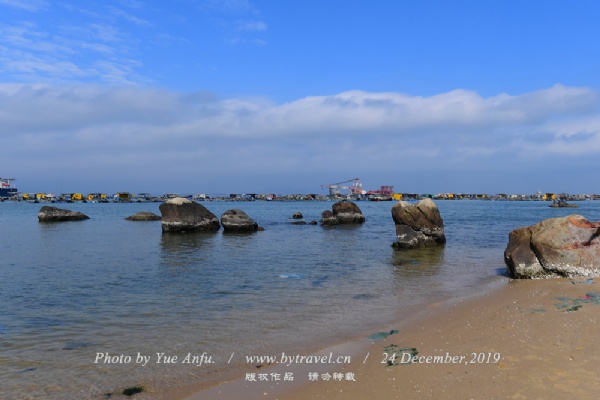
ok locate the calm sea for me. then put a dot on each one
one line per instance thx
(71, 291)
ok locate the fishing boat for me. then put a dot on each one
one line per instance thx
(7, 188)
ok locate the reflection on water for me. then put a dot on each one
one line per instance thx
(184, 243)
(424, 256)
(184, 249)
(424, 265)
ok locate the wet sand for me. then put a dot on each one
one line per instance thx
(525, 340)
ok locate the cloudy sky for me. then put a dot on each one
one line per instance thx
(263, 96)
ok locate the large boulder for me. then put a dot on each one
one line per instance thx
(54, 214)
(238, 221)
(556, 247)
(418, 225)
(144, 216)
(179, 215)
(347, 212)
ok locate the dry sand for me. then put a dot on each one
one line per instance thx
(517, 342)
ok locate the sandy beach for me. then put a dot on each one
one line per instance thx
(524, 340)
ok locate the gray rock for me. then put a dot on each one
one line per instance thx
(144, 216)
(238, 221)
(297, 215)
(327, 218)
(418, 225)
(556, 247)
(54, 214)
(182, 215)
(343, 212)
(562, 204)
(347, 212)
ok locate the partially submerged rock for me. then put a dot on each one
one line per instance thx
(238, 221)
(306, 223)
(182, 215)
(54, 214)
(343, 212)
(562, 204)
(556, 247)
(418, 225)
(347, 212)
(297, 215)
(327, 218)
(144, 216)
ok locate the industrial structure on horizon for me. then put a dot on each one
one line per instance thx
(356, 190)
(335, 189)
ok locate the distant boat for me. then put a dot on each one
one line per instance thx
(123, 197)
(7, 188)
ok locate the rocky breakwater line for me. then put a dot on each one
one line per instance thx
(183, 215)
(556, 247)
(239, 222)
(54, 214)
(418, 225)
(343, 212)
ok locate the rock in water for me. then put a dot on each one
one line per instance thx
(54, 214)
(238, 221)
(144, 216)
(179, 214)
(562, 204)
(418, 225)
(327, 218)
(347, 212)
(556, 247)
(297, 215)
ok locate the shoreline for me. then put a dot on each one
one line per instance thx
(518, 339)
(357, 345)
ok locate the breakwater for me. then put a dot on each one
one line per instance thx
(126, 197)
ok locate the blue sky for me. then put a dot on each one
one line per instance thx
(238, 96)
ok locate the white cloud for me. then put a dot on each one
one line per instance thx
(132, 3)
(252, 26)
(106, 32)
(96, 52)
(129, 17)
(229, 5)
(355, 113)
(36, 66)
(236, 40)
(27, 5)
(394, 113)
(351, 130)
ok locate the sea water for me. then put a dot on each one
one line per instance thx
(83, 303)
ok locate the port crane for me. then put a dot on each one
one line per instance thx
(336, 188)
